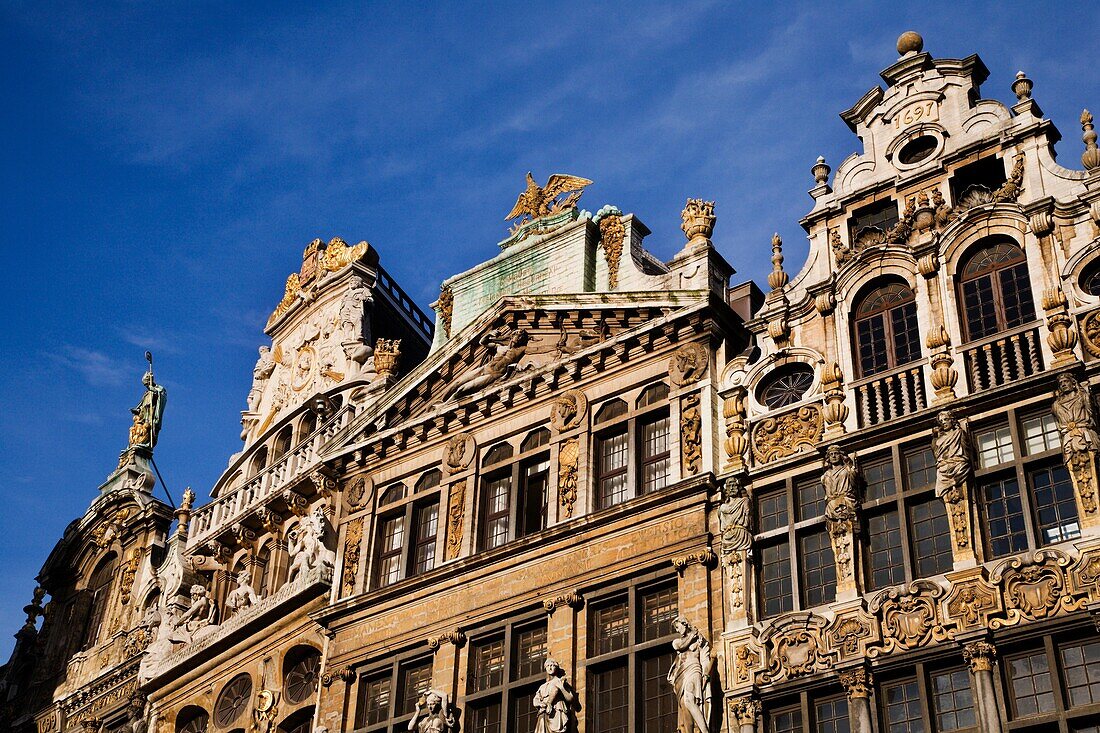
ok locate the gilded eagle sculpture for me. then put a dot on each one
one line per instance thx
(537, 201)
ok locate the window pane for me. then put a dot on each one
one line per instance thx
(832, 716)
(785, 721)
(920, 469)
(374, 704)
(415, 680)
(775, 580)
(485, 718)
(427, 527)
(887, 563)
(818, 576)
(772, 510)
(659, 711)
(524, 712)
(612, 458)
(609, 700)
(903, 320)
(1081, 663)
(871, 344)
(931, 536)
(486, 664)
(530, 651)
(1016, 295)
(659, 609)
(981, 310)
(954, 702)
(1055, 505)
(532, 505)
(994, 447)
(391, 535)
(611, 627)
(655, 455)
(1040, 433)
(878, 477)
(810, 495)
(497, 510)
(1004, 516)
(903, 707)
(1029, 679)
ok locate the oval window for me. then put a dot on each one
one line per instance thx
(918, 150)
(786, 385)
(1090, 279)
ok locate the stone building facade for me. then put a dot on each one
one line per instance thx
(606, 493)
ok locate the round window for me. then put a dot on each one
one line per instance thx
(786, 385)
(233, 700)
(1090, 279)
(918, 150)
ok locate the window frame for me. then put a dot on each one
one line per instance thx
(631, 424)
(888, 334)
(391, 669)
(512, 686)
(408, 509)
(514, 468)
(996, 288)
(1065, 715)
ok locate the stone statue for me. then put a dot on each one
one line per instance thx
(360, 361)
(553, 700)
(734, 516)
(149, 413)
(1073, 412)
(351, 312)
(433, 714)
(243, 596)
(951, 447)
(265, 365)
(198, 617)
(690, 676)
(307, 548)
(507, 347)
(840, 479)
(135, 716)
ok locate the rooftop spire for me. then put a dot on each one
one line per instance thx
(778, 279)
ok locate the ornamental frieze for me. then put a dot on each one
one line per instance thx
(1034, 587)
(785, 435)
(795, 647)
(909, 617)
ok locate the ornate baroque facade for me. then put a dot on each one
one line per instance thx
(610, 494)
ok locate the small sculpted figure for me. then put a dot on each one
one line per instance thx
(433, 715)
(200, 615)
(307, 550)
(1073, 412)
(840, 479)
(506, 347)
(951, 447)
(265, 365)
(553, 700)
(690, 676)
(733, 517)
(243, 596)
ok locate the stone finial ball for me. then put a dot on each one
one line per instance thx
(910, 41)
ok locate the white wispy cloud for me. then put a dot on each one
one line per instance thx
(95, 367)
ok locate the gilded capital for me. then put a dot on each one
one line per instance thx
(980, 655)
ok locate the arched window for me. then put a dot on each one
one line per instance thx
(262, 572)
(301, 671)
(282, 443)
(259, 461)
(100, 587)
(307, 425)
(192, 719)
(886, 332)
(995, 289)
(786, 385)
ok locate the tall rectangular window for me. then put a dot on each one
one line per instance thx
(505, 668)
(391, 540)
(655, 455)
(810, 495)
(375, 701)
(818, 576)
(630, 633)
(931, 537)
(1055, 504)
(407, 530)
(953, 700)
(534, 478)
(775, 579)
(427, 529)
(415, 678)
(885, 553)
(903, 707)
(1004, 516)
(496, 492)
(612, 456)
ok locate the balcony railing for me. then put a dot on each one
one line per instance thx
(1003, 358)
(228, 508)
(892, 394)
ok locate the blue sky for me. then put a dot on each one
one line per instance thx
(164, 164)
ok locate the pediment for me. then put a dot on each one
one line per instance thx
(520, 348)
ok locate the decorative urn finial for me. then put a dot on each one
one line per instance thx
(821, 171)
(778, 279)
(1091, 157)
(910, 42)
(698, 220)
(1022, 86)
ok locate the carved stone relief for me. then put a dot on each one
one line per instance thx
(1034, 587)
(568, 461)
(456, 512)
(908, 616)
(1073, 411)
(795, 646)
(353, 540)
(568, 410)
(688, 365)
(691, 433)
(459, 452)
(784, 435)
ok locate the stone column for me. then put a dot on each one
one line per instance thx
(857, 684)
(980, 655)
(743, 712)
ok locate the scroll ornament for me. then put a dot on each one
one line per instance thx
(784, 435)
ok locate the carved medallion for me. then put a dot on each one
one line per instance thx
(787, 434)
(302, 371)
(568, 409)
(459, 452)
(689, 364)
(357, 491)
